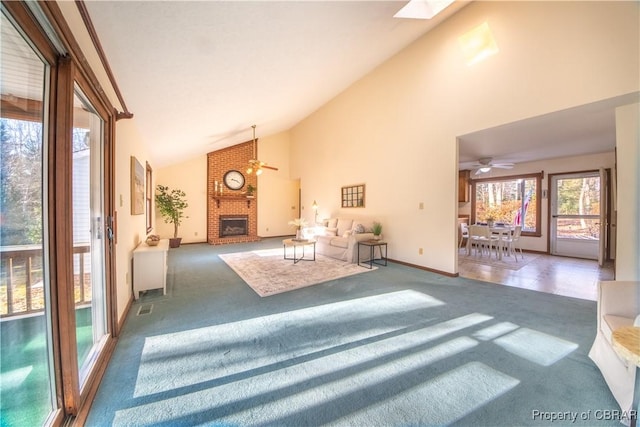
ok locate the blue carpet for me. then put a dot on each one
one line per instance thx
(396, 346)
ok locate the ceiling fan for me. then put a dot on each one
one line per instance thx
(255, 165)
(485, 164)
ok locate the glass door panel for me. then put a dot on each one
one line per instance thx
(88, 233)
(26, 375)
(575, 215)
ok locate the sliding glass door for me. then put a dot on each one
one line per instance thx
(88, 233)
(27, 381)
(56, 317)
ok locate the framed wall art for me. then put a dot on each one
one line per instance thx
(353, 196)
(137, 187)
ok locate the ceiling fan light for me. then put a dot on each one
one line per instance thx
(249, 170)
(258, 171)
(485, 169)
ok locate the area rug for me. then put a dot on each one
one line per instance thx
(507, 262)
(268, 273)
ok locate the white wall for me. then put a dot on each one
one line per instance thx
(191, 177)
(628, 197)
(131, 229)
(277, 194)
(395, 130)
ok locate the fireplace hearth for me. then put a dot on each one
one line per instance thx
(234, 225)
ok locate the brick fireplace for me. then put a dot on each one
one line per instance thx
(231, 216)
(233, 225)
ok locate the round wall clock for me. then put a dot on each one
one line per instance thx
(233, 179)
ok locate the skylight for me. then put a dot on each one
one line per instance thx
(422, 9)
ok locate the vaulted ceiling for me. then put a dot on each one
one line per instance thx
(198, 74)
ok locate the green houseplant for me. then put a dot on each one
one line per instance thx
(171, 204)
(251, 190)
(377, 230)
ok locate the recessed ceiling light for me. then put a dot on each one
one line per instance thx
(422, 9)
(478, 44)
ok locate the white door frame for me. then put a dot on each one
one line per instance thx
(578, 248)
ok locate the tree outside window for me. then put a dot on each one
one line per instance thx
(513, 200)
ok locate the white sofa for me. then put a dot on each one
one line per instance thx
(339, 237)
(618, 306)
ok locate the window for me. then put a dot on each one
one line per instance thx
(511, 200)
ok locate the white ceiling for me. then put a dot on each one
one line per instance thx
(197, 75)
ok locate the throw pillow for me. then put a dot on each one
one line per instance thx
(358, 228)
(637, 321)
(368, 226)
(347, 233)
(344, 225)
(332, 223)
(331, 232)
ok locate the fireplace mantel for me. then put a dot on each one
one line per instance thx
(233, 197)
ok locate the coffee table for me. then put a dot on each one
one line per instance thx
(287, 243)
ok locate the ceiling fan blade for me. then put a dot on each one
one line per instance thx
(269, 167)
(502, 166)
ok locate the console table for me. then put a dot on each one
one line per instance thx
(150, 267)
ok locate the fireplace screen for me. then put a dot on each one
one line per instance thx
(234, 225)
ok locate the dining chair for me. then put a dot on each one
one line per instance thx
(512, 242)
(464, 233)
(481, 236)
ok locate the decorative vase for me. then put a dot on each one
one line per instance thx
(298, 234)
(377, 236)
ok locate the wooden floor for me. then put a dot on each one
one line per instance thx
(571, 277)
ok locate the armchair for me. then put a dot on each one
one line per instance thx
(618, 306)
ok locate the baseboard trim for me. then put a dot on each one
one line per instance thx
(421, 267)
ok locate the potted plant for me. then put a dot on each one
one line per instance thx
(299, 223)
(250, 190)
(377, 230)
(171, 204)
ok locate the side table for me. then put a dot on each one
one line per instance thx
(373, 244)
(626, 342)
(150, 267)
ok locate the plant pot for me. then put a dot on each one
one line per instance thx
(175, 242)
(377, 237)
